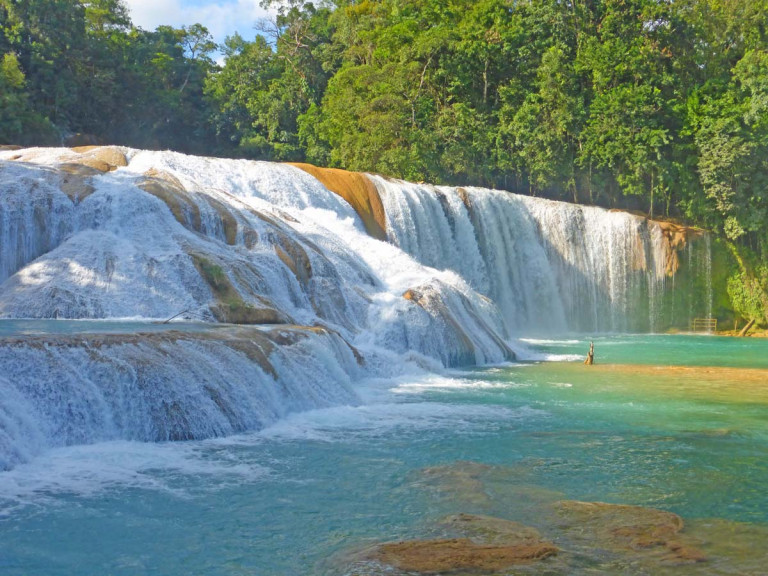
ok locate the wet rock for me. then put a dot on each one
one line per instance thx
(465, 199)
(102, 158)
(622, 528)
(486, 545)
(438, 556)
(76, 181)
(359, 191)
(230, 307)
(167, 188)
(295, 257)
(243, 313)
(433, 299)
(676, 238)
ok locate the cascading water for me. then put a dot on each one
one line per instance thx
(65, 390)
(157, 234)
(549, 266)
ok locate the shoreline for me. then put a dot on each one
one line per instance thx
(755, 333)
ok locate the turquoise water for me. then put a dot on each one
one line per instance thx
(665, 350)
(34, 327)
(293, 499)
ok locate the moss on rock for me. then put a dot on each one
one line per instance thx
(230, 306)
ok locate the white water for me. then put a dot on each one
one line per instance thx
(60, 391)
(551, 267)
(508, 265)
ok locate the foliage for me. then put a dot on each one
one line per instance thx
(86, 69)
(748, 294)
(642, 104)
(16, 114)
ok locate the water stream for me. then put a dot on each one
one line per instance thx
(379, 387)
(297, 496)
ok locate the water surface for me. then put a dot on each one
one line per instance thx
(296, 497)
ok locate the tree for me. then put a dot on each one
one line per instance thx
(17, 119)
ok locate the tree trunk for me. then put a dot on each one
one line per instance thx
(651, 212)
(591, 356)
(747, 328)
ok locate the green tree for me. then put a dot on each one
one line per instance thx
(17, 119)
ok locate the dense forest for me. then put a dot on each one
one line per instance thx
(654, 105)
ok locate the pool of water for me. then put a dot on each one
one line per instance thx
(641, 428)
(35, 327)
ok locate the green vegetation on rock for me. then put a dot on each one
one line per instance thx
(230, 306)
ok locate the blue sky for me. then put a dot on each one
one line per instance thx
(222, 18)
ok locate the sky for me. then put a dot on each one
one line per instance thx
(222, 18)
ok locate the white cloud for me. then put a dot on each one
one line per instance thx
(222, 18)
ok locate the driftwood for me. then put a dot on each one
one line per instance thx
(747, 328)
(591, 356)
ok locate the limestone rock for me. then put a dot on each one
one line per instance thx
(229, 306)
(357, 189)
(486, 545)
(102, 158)
(622, 528)
(168, 189)
(438, 556)
(676, 238)
(75, 181)
(431, 298)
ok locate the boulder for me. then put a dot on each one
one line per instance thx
(102, 158)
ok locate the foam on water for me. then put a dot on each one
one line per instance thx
(168, 386)
(170, 234)
(370, 421)
(530, 350)
(183, 468)
(90, 470)
(548, 342)
(450, 384)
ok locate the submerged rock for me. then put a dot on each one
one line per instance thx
(486, 545)
(610, 538)
(437, 556)
(622, 528)
(732, 547)
(477, 486)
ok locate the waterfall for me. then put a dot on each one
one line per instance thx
(708, 296)
(64, 390)
(549, 266)
(362, 277)
(34, 217)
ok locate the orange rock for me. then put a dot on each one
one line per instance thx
(357, 189)
(437, 556)
(483, 544)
